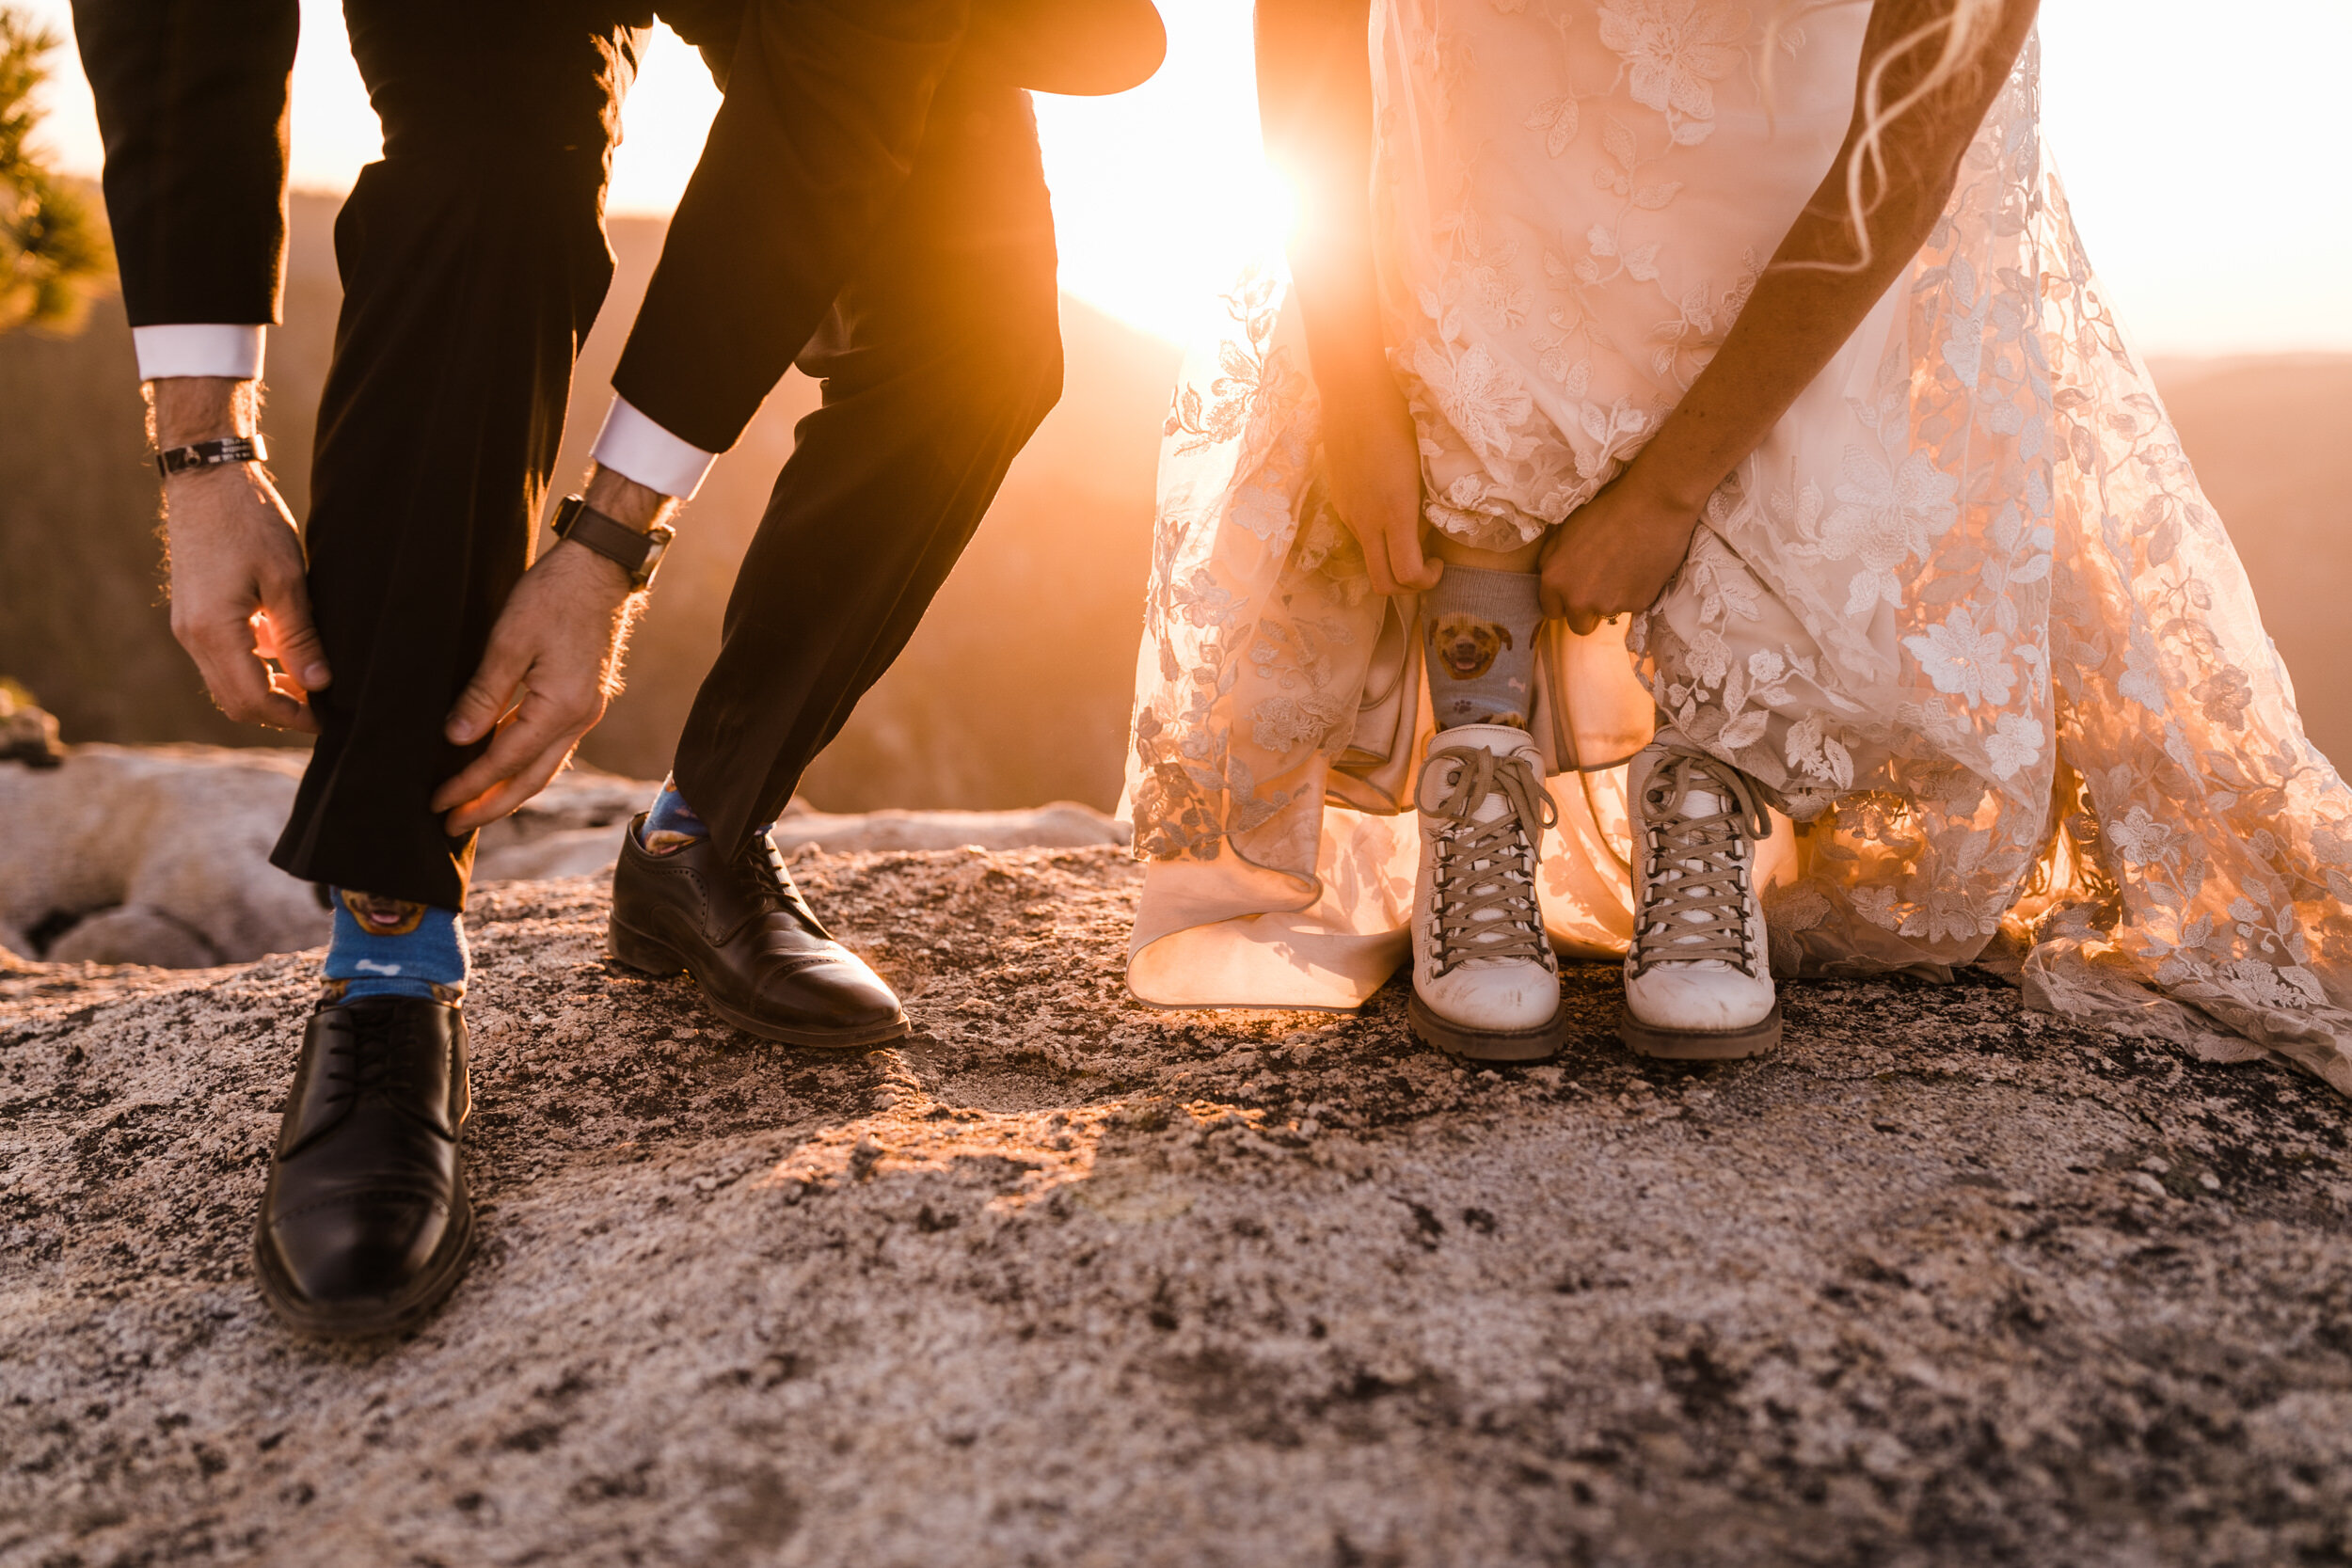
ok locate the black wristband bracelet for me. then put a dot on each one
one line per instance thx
(211, 454)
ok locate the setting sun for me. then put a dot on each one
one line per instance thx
(1161, 195)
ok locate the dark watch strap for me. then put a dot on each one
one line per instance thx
(211, 454)
(635, 553)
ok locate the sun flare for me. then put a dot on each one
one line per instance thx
(1161, 194)
(1175, 186)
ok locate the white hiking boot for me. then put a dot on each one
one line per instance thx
(1485, 984)
(1699, 983)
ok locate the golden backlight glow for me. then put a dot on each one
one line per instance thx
(2201, 143)
(1161, 194)
(1171, 179)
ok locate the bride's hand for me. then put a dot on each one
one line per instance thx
(1615, 554)
(1314, 101)
(1372, 463)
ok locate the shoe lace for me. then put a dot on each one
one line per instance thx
(773, 880)
(1487, 869)
(766, 863)
(366, 1058)
(1698, 866)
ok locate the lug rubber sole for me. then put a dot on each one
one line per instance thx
(651, 956)
(1487, 1045)
(1699, 1045)
(376, 1320)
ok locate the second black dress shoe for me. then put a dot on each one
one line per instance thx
(745, 934)
(365, 1225)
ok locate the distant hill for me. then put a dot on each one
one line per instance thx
(2268, 435)
(1015, 691)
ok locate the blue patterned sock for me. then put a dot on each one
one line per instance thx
(671, 824)
(385, 947)
(1481, 627)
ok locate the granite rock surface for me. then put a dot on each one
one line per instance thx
(159, 855)
(1067, 1281)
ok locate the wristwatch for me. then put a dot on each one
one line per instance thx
(633, 552)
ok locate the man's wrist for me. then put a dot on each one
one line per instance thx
(623, 500)
(637, 553)
(184, 410)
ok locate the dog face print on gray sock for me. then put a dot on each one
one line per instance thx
(1480, 629)
(1463, 648)
(1467, 647)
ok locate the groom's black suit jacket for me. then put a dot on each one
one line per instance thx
(826, 101)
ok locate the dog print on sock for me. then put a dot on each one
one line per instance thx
(1480, 629)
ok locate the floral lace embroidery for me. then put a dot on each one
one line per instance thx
(1966, 615)
(1258, 610)
(1509, 453)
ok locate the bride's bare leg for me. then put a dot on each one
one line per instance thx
(1455, 553)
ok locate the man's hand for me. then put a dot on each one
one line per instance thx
(1615, 554)
(1372, 461)
(239, 597)
(552, 665)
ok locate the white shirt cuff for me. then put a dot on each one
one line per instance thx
(200, 348)
(635, 447)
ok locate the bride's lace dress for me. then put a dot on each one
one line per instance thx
(1965, 614)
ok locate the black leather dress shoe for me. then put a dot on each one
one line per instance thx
(744, 931)
(366, 1225)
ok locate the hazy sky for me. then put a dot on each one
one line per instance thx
(2202, 144)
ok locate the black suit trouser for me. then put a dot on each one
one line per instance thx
(937, 362)
(473, 262)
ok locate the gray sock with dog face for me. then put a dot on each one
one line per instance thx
(1480, 631)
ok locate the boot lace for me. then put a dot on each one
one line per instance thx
(1487, 868)
(1697, 866)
